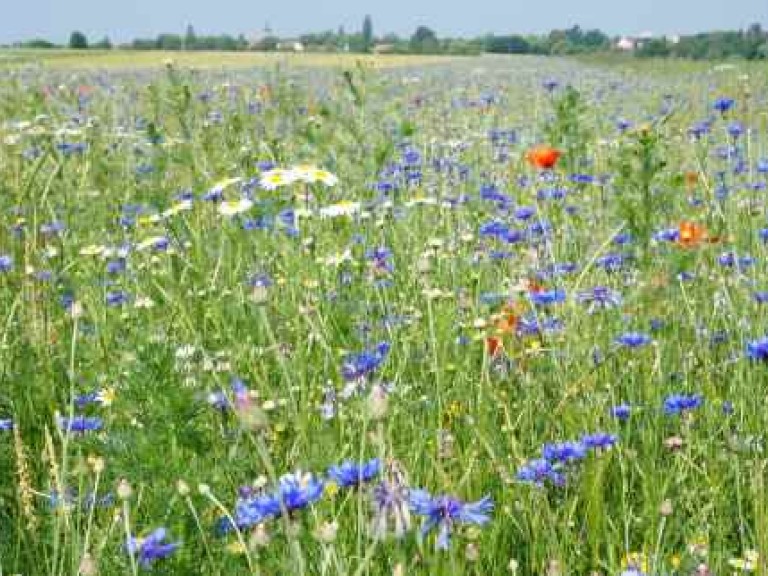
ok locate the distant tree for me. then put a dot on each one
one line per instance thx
(653, 48)
(424, 40)
(103, 44)
(38, 43)
(78, 41)
(190, 38)
(168, 42)
(367, 33)
(507, 45)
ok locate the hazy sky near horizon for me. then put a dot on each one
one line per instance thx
(122, 20)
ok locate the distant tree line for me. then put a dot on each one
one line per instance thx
(751, 43)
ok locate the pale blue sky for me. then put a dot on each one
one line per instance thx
(125, 19)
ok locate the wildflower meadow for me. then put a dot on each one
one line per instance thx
(482, 315)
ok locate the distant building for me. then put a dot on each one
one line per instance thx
(626, 44)
(290, 46)
(383, 48)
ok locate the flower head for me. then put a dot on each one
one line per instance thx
(79, 423)
(390, 502)
(633, 340)
(543, 157)
(277, 177)
(443, 511)
(539, 472)
(349, 474)
(235, 207)
(299, 490)
(678, 403)
(152, 547)
(757, 350)
(359, 365)
(565, 452)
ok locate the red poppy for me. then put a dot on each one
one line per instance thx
(543, 157)
(493, 346)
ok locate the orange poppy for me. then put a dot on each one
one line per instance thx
(543, 157)
(691, 234)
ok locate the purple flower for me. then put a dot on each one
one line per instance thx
(6, 263)
(599, 297)
(633, 340)
(390, 502)
(349, 474)
(6, 424)
(678, 403)
(566, 452)
(621, 412)
(116, 298)
(599, 440)
(299, 490)
(539, 472)
(723, 105)
(357, 366)
(151, 548)
(80, 423)
(757, 350)
(547, 297)
(443, 511)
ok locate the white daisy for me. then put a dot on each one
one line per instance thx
(234, 207)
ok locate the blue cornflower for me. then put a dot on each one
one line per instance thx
(547, 297)
(116, 298)
(735, 129)
(349, 474)
(80, 423)
(494, 228)
(667, 235)
(565, 452)
(359, 365)
(6, 424)
(633, 339)
(151, 548)
(83, 400)
(730, 260)
(524, 212)
(260, 281)
(621, 412)
(540, 472)
(582, 178)
(250, 511)
(612, 262)
(623, 124)
(599, 297)
(723, 105)
(116, 266)
(6, 263)
(677, 403)
(622, 238)
(599, 440)
(758, 349)
(727, 407)
(219, 399)
(298, 490)
(550, 84)
(443, 511)
(531, 325)
(761, 296)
